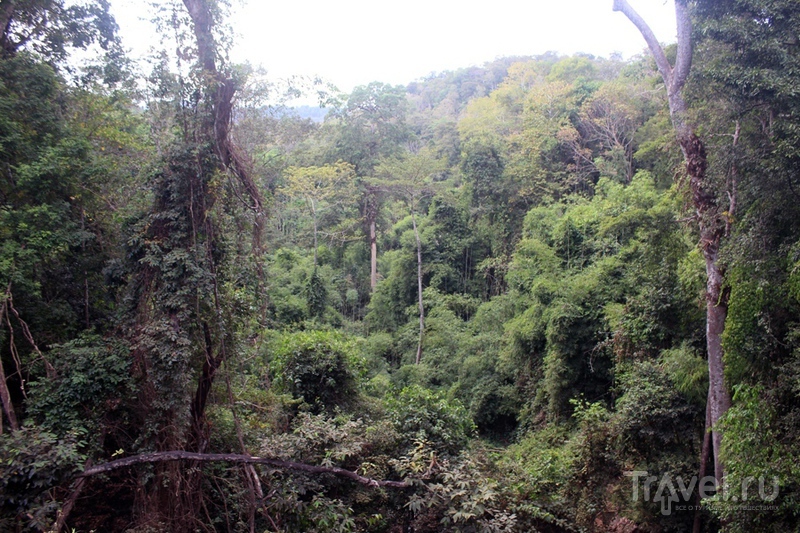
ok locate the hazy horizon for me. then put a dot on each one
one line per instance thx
(354, 42)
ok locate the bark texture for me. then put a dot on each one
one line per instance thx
(371, 215)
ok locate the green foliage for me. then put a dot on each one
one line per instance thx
(564, 288)
(319, 503)
(544, 460)
(321, 439)
(51, 27)
(321, 368)
(93, 381)
(752, 324)
(55, 232)
(757, 452)
(687, 371)
(650, 413)
(420, 414)
(373, 125)
(32, 463)
(469, 501)
(296, 291)
(596, 289)
(316, 295)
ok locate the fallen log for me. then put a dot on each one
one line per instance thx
(179, 455)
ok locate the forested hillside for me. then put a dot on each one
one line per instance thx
(552, 293)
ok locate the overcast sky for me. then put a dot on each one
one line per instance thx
(353, 42)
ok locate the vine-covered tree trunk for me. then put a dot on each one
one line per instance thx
(182, 340)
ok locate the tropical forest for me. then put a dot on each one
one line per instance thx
(547, 293)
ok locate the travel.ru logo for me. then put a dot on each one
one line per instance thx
(674, 493)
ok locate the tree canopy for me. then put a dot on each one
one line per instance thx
(547, 293)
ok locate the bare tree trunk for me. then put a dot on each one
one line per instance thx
(314, 215)
(371, 208)
(716, 313)
(419, 289)
(703, 465)
(373, 255)
(85, 274)
(710, 221)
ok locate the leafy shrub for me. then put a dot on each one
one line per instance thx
(319, 367)
(420, 414)
(32, 462)
(469, 493)
(651, 414)
(316, 295)
(93, 376)
(331, 503)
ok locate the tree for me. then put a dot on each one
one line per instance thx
(370, 126)
(54, 234)
(710, 219)
(320, 187)
(181, 335)
(747, 59)
(609, 120)
(411, 178)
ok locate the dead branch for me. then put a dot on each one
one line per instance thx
(51, 371)
(179, 455)
(65, 511)
(5, 394)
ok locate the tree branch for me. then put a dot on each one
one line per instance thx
(5, 394)
(50, 370)
(652, 42)
(178, 455)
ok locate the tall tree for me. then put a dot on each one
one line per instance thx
(370, 126)
(710, 218)
(411, 178)
(320, 187)
(181, 335)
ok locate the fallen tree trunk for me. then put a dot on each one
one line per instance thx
(179, 455)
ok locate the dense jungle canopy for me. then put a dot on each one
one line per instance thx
(551, 293)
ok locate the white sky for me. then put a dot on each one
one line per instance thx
(354, 42)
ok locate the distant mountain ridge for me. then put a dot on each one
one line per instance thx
(315, 113)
